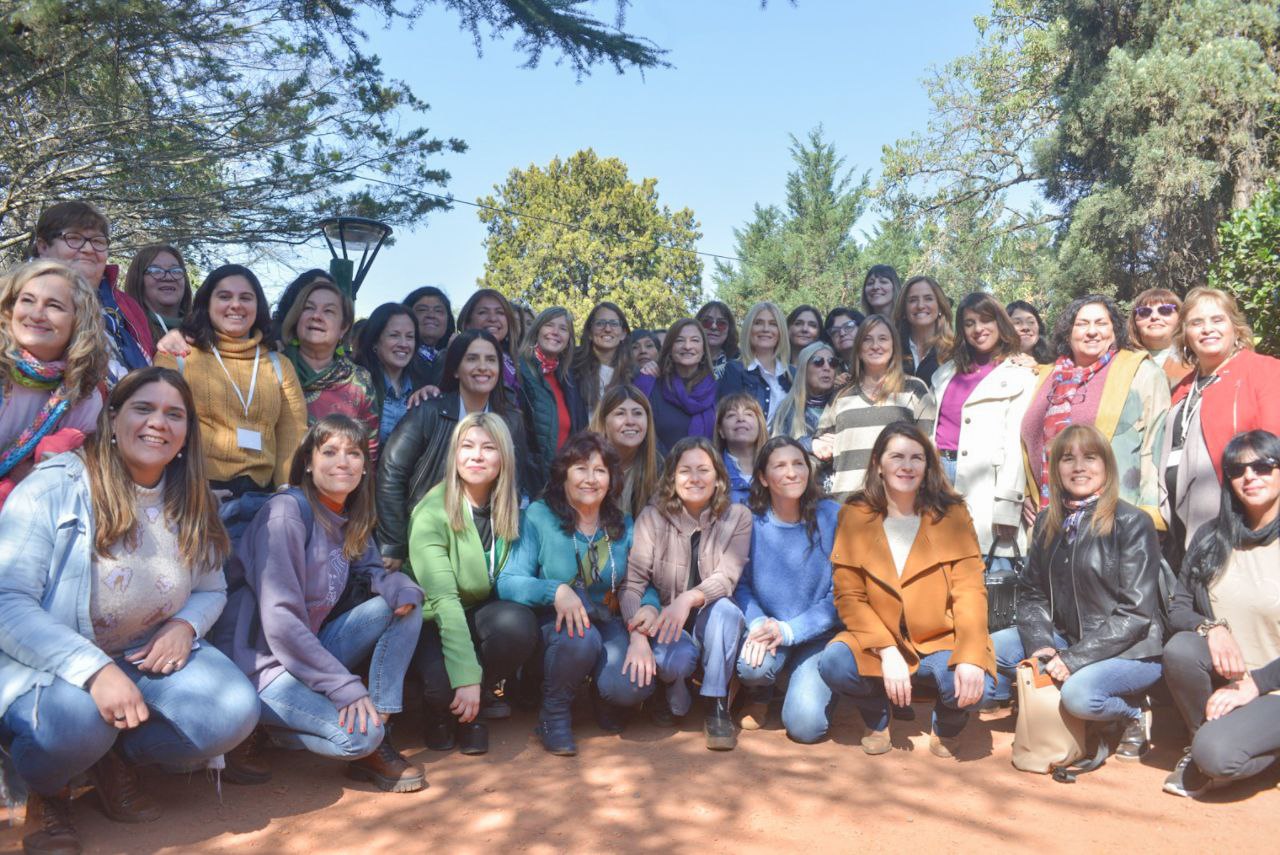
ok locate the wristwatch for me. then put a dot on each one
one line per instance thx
(1203, 629)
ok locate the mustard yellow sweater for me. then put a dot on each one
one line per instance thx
(278, 410)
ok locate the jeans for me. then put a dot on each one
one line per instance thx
(615, 685)
(807, 705)
(949, 469)
(504, 635)
(839, 669)
(300, 718)
(717, 635)
(1240, 744)
(1097, 692)
(202, 710)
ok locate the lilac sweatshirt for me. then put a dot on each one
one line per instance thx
(289, 587)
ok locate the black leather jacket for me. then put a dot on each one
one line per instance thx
(1102, 594)
(413, 461)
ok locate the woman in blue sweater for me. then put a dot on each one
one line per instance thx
(785, 592)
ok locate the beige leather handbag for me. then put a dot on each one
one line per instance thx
(1047, 736)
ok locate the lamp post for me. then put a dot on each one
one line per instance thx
(352, 235)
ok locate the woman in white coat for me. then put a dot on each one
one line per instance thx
(981, 394)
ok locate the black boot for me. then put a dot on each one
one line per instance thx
(718, 725)
(494, 705)
(660, 708)
(438, 727)
(555, 722)
(611, 718)
(473, 738)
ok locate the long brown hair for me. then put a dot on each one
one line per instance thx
(895, 379)
(586, 365)
(936, 495)
(188, 503)
(133, 278)
(666, 363)
(509, 345)
(987, 309)
(943, 338)
(643, 472)
(666, 498)
(759, 500)
(361, 518)
(1089, 440)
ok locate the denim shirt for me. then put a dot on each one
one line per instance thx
(395, 403)
(46, 552)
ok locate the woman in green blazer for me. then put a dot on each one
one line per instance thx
(459, 537)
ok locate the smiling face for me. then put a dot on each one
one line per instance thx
(44, 317)
(606, 331)
(716, 325)
(432, 317)
(1257, 491)
(233, 307)
(877, 348)
(149, 430)
(89, 260)
(764, 333)
(1092, 334)
(804, 330)
(1209, 332)
(1156, 323)
(686, 350)
(644, 351)
(820, 375)
(982, 335)
(739, 427)
(626, 425)
(586, 483)
(922, 306)
(1082, 472)
(480, 368)
(695, 480)
(878, 292)
(488, 315)
(337, 465)
(902, 466)
(1028, 328)
(321, 323)
(553, 336)
(394, 348)
(164, 281)
(478, 458)
(786, 474)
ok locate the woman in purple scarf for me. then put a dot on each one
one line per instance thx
(683, 395)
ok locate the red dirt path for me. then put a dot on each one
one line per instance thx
(655, 791)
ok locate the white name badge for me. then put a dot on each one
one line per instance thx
(1175, 457)
(249, 440)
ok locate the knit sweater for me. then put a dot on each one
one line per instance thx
(278, 411)
(853, 422)
(789, 577)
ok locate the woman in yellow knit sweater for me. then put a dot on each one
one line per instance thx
(251, 407)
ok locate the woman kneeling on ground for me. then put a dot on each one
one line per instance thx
(690, 544)
(785, 592)
(303, 550)
(1223, 665)
(112, 571)
(460, 536)
(1088, 602)
(909, 589)
(569, 563)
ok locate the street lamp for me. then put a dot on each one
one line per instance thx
(353, 235)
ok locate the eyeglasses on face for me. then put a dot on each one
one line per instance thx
(824, 361)
(846, 327)
(715, 324)
(77, 241)
(1262, 467)
(1165, 310)
(603, 324)
(164, 272)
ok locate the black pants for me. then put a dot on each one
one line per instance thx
(1238, 745)
(504, 634)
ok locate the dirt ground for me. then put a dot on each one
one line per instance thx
(651, 790)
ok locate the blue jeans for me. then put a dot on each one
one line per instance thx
(949, 469)
(1099, 690)
(203, 710)
(301, 718)
(614, 685)
(717, 635)
(840, 670)
(806, 708)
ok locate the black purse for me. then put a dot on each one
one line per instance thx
(1001, 575)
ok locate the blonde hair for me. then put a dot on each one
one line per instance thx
(1227, 301)
(782, 352)
(1090, 441)
(944, 336)
(86, 351)
(895, 378)
(789, 419)
(289, 327)
(503, 499)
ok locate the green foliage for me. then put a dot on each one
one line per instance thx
(1249, 265)
(211, 122)
(805, 253)
(580, 231)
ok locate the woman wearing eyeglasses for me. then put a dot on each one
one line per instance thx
(1230, 390)
(1153, 323)
(842, 326)
(157, 279)
(722, 336)
(603, 360)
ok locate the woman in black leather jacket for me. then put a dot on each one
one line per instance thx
(413, 460)
(1088, 603)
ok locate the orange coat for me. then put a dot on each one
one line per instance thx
(941, 597)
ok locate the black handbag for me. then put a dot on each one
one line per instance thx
(1001, 575)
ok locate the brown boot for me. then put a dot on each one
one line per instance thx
(49, 818)
(120, 792)
(247, 763)
(387, 769)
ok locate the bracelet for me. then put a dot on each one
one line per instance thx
(1203, 629)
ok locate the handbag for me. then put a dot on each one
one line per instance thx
(1001, 575)
(1046, 737)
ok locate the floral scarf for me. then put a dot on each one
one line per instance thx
(336, 373)
(1078, 508)
(45, 376)
(1067, 381)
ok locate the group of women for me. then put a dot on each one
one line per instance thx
(251, 542)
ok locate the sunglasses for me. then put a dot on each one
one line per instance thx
(825, 362)
(1165, 310)
(846, 327)
(715, 324)
(1262, 468)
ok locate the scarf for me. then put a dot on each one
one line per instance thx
(699, 404)
(336, 373)
(1079, 508)
(1250, 538)
(1066, 383)
(31, 373)
(548, 364)
(428, 353)
(509, 373)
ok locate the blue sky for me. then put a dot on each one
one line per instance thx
(713, 129)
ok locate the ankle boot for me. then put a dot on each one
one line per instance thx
(49, 823)
(120, 792)
(718, 725)
(438, 727)
(473, 738)
(247, 763)
(386, 769)
(492, 705)
(555, 723)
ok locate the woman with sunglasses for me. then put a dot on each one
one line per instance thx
(716, 319)
(1230, 390)
(157, 280)
(1223, 664)
(603, 359)
(1153, 324)
(816, 370)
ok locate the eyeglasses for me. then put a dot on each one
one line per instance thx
(1262, 467)
(164, 272)
(1165, 310)
(77, 241)
(825, 362)
(846, 327)
(715, 324)
(607, 324)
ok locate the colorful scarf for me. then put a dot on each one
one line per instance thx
(548, 364)
(1066, 383)
(336, 373)
(1078, 508)
(699, 404)
(44, 376)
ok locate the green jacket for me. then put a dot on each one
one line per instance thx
(452, 567)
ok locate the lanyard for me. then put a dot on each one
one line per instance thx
(253, 383)
(160, 321)
(491, 556)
